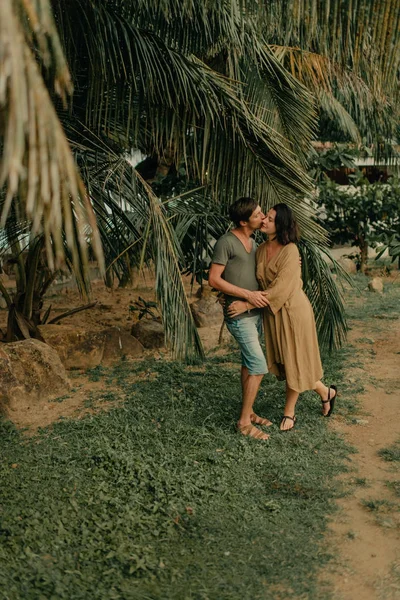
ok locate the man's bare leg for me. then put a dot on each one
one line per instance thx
(245, 382)
(250, 387)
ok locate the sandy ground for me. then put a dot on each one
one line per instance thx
(367, 543)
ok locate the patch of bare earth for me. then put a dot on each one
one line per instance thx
(367, 540)
(112, 309)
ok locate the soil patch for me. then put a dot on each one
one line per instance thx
(365, 534)
(112, 309)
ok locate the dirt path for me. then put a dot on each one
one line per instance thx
(367, 540)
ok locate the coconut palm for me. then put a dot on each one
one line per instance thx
(203, 88)
(348, 54)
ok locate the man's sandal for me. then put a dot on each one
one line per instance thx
(253, 432)
(260, 420)
(331, 400)
(283, 421)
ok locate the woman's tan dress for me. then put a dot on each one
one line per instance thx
(289, 324)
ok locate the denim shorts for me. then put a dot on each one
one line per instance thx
(247, 333)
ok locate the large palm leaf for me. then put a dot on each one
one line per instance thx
(147, 94)
(136, 229)
(37, 166)
(348, 53)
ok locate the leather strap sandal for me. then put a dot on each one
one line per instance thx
(283, 421)
(331, 400)
(253, 432)
(260, 420)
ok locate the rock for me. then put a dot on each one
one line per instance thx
(29, 371)
(207, 311)
(205, 291)
(77, 347)
(348, 265)
(376, 285)
(118, 344)
(149, 332)
(226, 338)
(82, 349)
(3, 303)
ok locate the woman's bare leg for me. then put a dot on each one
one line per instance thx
(290, 404)
(323, 392)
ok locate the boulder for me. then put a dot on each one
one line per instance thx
(29, 371)
(149, 332)
(82, 349)
(348, 265)
(207, 311)
(206, 290)
(77, 347)
(119, 344)
(376, 285)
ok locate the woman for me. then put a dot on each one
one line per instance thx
(289, 324)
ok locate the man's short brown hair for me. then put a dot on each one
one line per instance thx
(242, 209)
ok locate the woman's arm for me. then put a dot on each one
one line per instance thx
(287, 278)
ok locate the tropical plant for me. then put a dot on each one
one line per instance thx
(348, 54)
(144, 308)
(363, 214)
(26, 304)
(216, 89)
(329, 159)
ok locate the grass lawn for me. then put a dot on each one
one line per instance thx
(160, 499)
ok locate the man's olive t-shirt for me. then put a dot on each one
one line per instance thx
(240, 267)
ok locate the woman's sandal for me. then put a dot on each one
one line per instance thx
(253, 432)
(283, 420)
(260, 420)
(331, 400)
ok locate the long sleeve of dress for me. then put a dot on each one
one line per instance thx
(287, 278)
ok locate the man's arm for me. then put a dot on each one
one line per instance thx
(215, 280)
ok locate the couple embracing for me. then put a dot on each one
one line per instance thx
(263, 289)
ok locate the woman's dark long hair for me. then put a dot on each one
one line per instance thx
(286, 227)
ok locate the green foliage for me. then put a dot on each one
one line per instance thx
(161, 499)
(325, 296)
(394, 486)
(379, 505)
(144, 308)
(340, 155)
(223, 94)
(364, 214)
(391, 454)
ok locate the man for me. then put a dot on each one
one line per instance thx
(233, 272)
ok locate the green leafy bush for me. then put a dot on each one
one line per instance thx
(365, 214)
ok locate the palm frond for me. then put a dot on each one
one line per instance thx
(134, 225)
(179, 326)
(324, 294)
(148, 95)
(337, 113)
(359, 108)
(37, 167)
